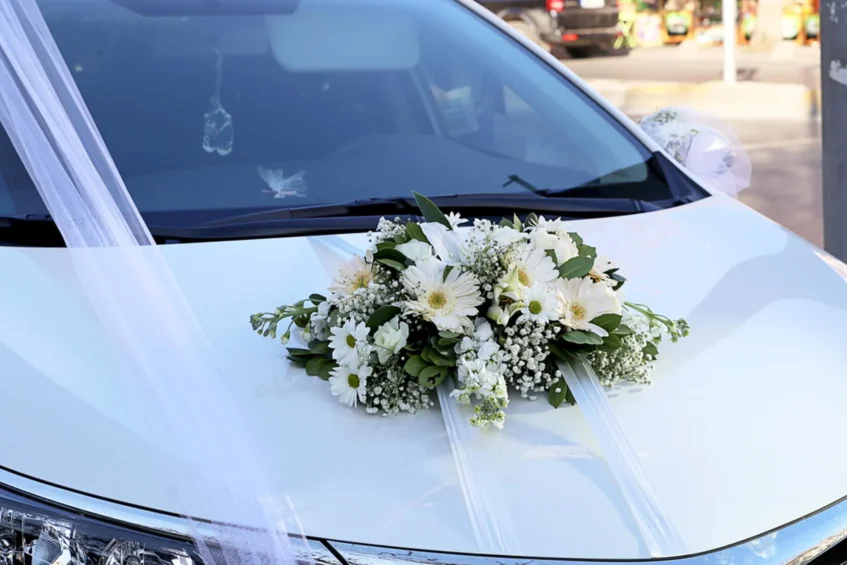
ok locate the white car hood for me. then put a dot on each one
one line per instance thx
(739, 433)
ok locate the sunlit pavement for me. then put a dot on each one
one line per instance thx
(671, 64)
(786, 185)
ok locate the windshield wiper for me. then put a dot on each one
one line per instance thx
(479, 204)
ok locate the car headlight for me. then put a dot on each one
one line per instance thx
(46, 525)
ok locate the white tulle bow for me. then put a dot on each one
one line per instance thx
(704, 145)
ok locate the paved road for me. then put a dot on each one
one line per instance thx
(786, 174)
(665, 66)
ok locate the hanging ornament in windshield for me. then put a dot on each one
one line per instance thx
(218, 135)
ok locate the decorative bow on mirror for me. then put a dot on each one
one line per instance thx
(704, 145)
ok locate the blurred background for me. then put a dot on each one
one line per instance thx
(645, 54)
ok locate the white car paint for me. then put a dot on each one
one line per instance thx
(738, 434)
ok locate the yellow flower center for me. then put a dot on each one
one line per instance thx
(535, 307)
(523, 277)
(353, 381)
(361, 280)
(436, 300)
(351, 341)
(578, 312)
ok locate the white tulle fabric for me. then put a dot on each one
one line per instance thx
(703, 144)
(153, 329)
(657, 530)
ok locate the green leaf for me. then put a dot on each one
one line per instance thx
(317, 298)
(327, 369)
(441, 360)
(299, 352)
(313, 367)
(587, 251)
(505, 223)
(415, 365)
(380, 316)
(414, 231)
(608, 322)
(386, 245)
(650, 349)
(569, 398)
(389, 253)
(551, 253)
(593, 338)
(431, 377)
(400, 238)
(623, 329)
(611, 342)
(619, 279)
(576, 238)
(319, 347)
(447, 270)
(298, 361)
(557, 398)
(558, 352)
(448, 341)
(577, 337)
(576, 267)
(430, 211)
(396, 265)
(450, 335)
(582, 338)
(516, 223)
(425, 354)
(532, 219)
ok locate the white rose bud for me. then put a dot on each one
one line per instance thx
(390, 338)
(415, 250)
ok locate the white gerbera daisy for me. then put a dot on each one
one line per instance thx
(349, 342)
(539, 304)
(580, 301)
(601, 266)
(349, 383)
(446, 302)
(531, 266)
(353, 275)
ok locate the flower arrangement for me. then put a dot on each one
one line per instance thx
(492, 306)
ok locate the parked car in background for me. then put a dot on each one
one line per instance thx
(580, 27)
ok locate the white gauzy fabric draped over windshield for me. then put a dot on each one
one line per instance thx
(135, 296)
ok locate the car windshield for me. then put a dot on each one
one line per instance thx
(241, 105)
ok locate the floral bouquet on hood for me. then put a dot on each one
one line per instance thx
(492, 307)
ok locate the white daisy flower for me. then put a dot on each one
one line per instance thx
(539, 304)
(348, 342)
(561, 243)
(531, 266)
(446, 302)
(353, 275)
(415, 250)
(580, 301)
(455, 220)
(556, 226)
(349, 383)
